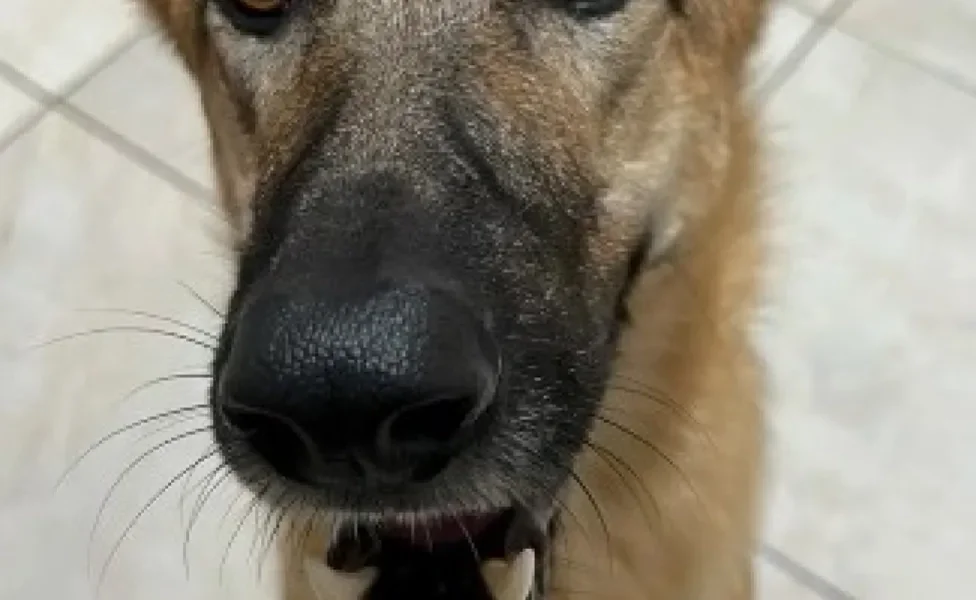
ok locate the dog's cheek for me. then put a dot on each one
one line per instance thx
(234, 157)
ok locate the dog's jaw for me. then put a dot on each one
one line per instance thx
(505, 580)
(496, 557)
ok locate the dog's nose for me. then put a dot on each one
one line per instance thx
(385, 382)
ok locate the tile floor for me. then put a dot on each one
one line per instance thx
(870, 327)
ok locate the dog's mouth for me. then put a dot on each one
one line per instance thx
(479, 556)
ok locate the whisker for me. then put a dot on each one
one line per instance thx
(282, 515)
(573, 592)
(656, 396)
(596, 506)
(214, 480)
(125, 329)
(160, 380)
(230, 507)
(240, 525)
(636, 476)
(112, 435)
(200, 299)
(262, 529)
(467, 536)
(309, 526)
(293, 529)
(132, 523)
(204, 487)
(633, 434)
(564, 507)
(641, 384)
(158, 429)
(118, 481)
(430, 541)
(577, 565)
(189, 479)
(609, 457)
(154, 317)
(553, 497)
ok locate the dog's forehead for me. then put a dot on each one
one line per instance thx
(419, 16)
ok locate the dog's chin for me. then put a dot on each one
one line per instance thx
(480, 556)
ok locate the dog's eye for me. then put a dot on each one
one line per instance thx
(255, 17)
(594, 9)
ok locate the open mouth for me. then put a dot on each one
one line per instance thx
(485, 556)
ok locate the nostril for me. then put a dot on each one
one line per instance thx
(422, 437)
(437, 421)
(275, 439)
(426, 434)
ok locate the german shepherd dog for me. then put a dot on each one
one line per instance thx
(496, 266)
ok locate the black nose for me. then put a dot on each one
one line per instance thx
(386, 381)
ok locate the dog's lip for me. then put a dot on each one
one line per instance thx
(442, 530)
(497, 534)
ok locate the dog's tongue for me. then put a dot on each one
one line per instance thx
(445, 531)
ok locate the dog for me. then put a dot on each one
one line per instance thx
(496, 266)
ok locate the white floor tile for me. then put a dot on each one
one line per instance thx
(940, 33)
(773, 584)
(812, 7)
(871, 331)
(167, 121)
(53, 41)
(86, 228)
(14, 106)
(784, 29)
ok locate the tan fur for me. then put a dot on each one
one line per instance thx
(654, 114)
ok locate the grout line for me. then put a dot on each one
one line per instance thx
(944, 75)
(59, 103)
(43, 101)
(134, 152)
(105, 61)
(25, 84)
(822, 24)
(21, 127)
(119, 141)
(51, 100)
(817, 584)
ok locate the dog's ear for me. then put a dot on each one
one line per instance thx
(330, 584)
(511, 580)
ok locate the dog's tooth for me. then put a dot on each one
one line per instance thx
(329, 584)
(513, 580)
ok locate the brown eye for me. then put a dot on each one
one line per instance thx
(255, 17)
(594, 9)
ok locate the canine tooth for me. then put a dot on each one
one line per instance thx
(329, 584)
(511, 581)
